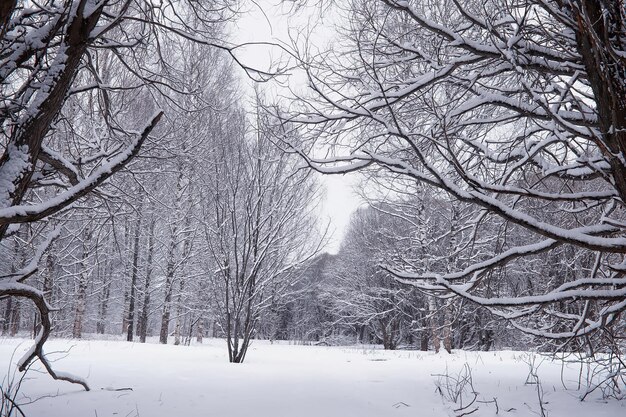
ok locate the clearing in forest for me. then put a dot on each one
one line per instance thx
(152, 380)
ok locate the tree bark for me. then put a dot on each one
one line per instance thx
(133, 281)
(15, 317)
(7, 316)
(81, 294)
(104, 306)
(145, 309)
(599, 35)
(31, 131)
(179, 313)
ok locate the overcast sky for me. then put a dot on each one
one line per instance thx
(274, 24)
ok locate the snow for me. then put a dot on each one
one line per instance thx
(288, 380)
(62, 200)
(12, 169)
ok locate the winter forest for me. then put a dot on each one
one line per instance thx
(163, 243)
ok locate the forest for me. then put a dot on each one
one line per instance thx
(158, 188)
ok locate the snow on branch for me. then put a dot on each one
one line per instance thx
(30, 213)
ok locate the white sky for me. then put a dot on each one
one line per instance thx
(275, 25)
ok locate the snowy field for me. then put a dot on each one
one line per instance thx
(289, 380)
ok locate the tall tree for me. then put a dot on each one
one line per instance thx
(54, 58)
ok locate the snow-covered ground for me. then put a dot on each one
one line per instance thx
(290, 380)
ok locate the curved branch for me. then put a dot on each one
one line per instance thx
(16, 289)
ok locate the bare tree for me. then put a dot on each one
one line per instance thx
(56, 59)
(142, 323)
(362, 294)
(259, 226)
(515, 107)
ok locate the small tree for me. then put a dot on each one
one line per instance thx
(259, 227)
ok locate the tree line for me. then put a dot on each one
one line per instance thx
(140, 194)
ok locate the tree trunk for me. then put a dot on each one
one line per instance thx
(30, 132)
(424, 339)
(133, 281)
(200, 331)
(81, 294)
(179, 312)
(15, 317)
(127, 272)
(79, 311)
(434, 327)
(165, 317)
(7, 316)
(105, 296)
(447, 327)
(145, 309)
(169, 283)
(171, 262)
(599, 36)
(104, 307)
